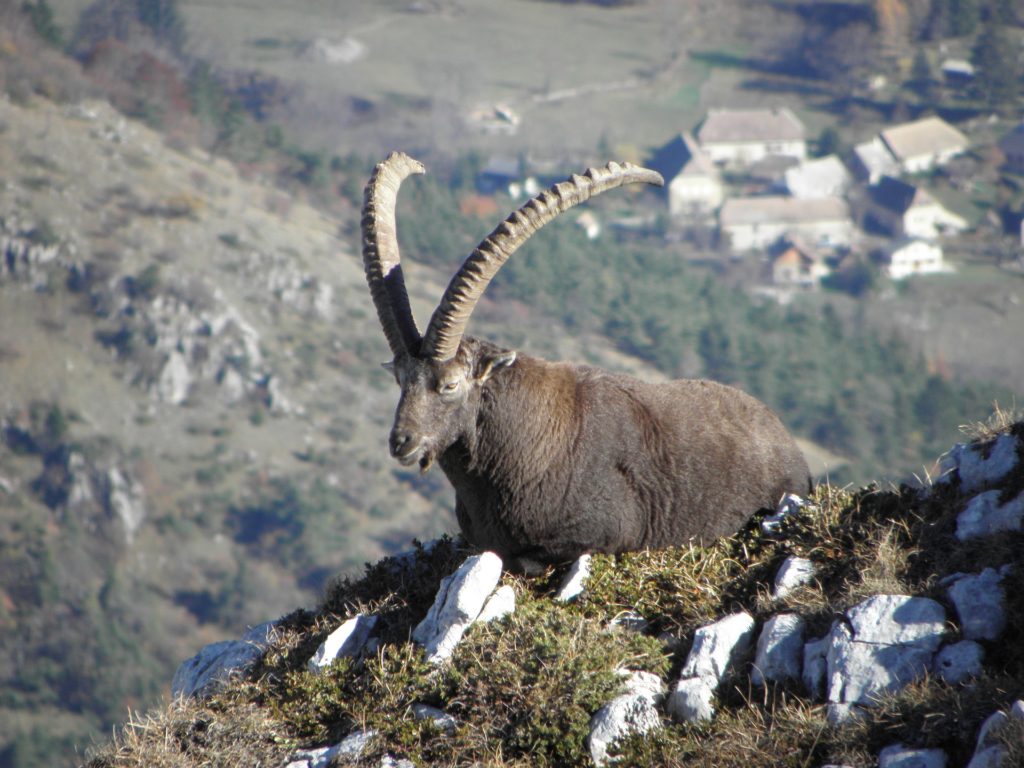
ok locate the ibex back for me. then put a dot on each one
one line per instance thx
(551, 460)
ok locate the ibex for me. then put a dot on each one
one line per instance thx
(552, 460)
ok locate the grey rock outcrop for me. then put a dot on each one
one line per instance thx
(692, 700)
(779, 650)
(989, 751)
(815, 668)
(978, 600)
(886, 642)
(959, 662)
(347, 640)
(575, 580)
(899, 756)
(217, 663)
(460, 600)
(790, 506)
(980, 465)
(440, 719)
(794, 572)
(349, 748)
(633, 712)
(984, 515)
(717, 650)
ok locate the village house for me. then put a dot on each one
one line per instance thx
(904, 209)
(498, 174)
(1012, 147)
(824, 177)
(872, 160)
(794, 264)
(912, 256)
(924, 144)
(740, 137)
(588, 222)
(693, 184)
(756, 222)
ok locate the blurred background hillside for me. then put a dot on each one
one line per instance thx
(192, 411)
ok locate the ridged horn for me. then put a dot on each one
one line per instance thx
(448, 323)
(381, 258)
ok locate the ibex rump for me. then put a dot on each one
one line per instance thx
(551, 460)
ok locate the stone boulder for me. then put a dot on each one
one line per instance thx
(633, 712)
(779, 650)
(217, 663)
(718, 649)
(347, 640)
(460, 600)
(886, 642)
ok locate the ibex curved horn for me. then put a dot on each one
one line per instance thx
(381, 258)
(448, 322)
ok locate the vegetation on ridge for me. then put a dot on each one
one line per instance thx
(523, 689)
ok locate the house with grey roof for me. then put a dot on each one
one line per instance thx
(693, 184)
(740, 137)
(904, 209)
(823, 177)
(924, 144)
(751, 223)
(872, 160)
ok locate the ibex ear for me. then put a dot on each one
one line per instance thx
(389, 366)
(492, 361)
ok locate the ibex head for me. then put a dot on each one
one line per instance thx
(442, 373)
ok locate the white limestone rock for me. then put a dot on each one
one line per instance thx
(959, 662)
(790, 505)
(899, 756)
(352, 746)
(633, 712)
(978, 600)
(174, 381)
(347, 640)
(501, 603)
(985, 516)
(989, 752)
(974, 468)
(815, 666)
(215, 664)
(719, 647)
(349, 748)
(793, 573)
(692, 700)
(779, 649)
(460, 599)
(575, 580)
(127, 500)
(441, 719)
(630, 620)
(898, 620)
(890, 641)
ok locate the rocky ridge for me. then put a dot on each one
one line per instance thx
(878, 647)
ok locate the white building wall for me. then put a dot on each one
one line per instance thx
(694, 194)
(748, 152)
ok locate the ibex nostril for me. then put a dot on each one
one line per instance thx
(399, 441)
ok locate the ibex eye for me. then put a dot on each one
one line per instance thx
(449, 386)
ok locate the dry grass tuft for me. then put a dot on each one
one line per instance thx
(1001, 420)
